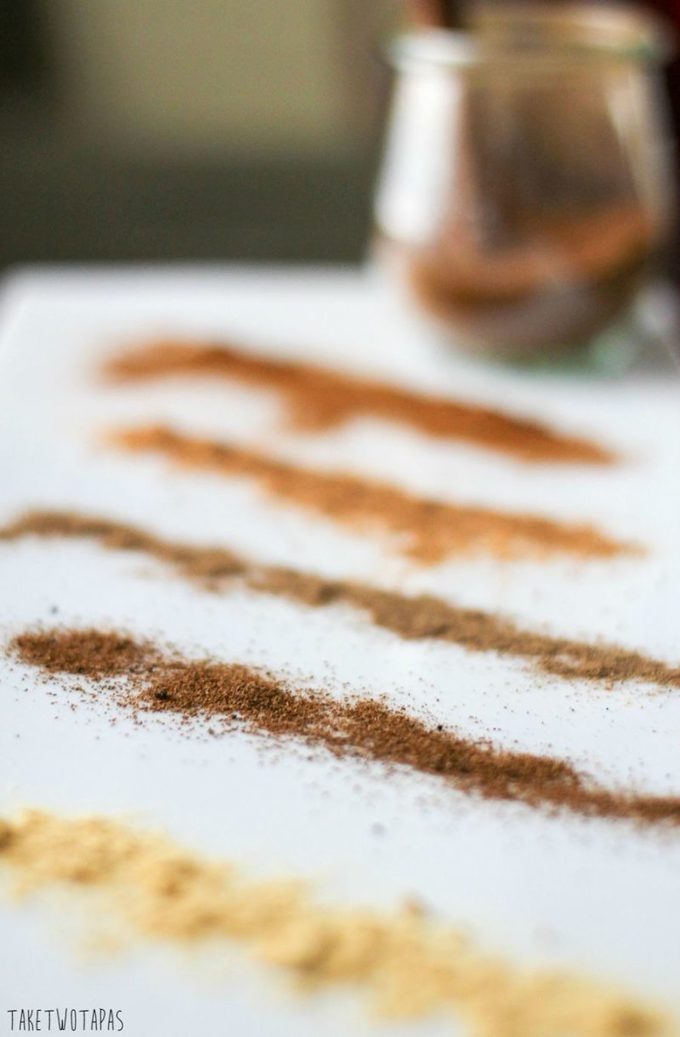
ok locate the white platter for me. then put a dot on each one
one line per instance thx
(597, 896)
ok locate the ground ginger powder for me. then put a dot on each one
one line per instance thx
(409, 966)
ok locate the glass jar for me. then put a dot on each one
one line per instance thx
(524, 197)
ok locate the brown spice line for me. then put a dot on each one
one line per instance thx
(319, 398)
(409, 963)
(426, 530)
(242, 698)
(409, 617)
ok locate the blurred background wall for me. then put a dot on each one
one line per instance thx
(210, 129)
(161, 129)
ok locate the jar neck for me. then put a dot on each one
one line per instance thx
(538, 36)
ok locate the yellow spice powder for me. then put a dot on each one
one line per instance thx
(409, 966)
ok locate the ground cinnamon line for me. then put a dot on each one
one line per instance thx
(242, 698)
(409, 617)
(319, 398)
(425, 530)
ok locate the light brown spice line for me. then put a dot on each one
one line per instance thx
(237, 697)
(409, 617)
(426, 530)
(319, 398)
(409, 964)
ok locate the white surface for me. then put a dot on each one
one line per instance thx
(595, 895)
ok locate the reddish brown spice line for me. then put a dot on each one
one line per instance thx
(409, 617)
(320, 398)
(240, 698)
(423, 529)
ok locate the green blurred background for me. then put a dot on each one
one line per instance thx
(163, 130)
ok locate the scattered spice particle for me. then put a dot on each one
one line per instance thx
(410, 965)
(363, 728)
(319, 398)
(411, 618)
(426, 530)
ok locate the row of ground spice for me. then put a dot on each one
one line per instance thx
(410, 966)
(427, 530)
(265, 704)
(141, 677)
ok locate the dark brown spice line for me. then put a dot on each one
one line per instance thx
(411, 618)
(237, 697)
(426, 530)
(319, 398)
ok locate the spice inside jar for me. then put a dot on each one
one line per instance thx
(524, 199)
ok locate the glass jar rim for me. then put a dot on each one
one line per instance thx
(538, 34)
